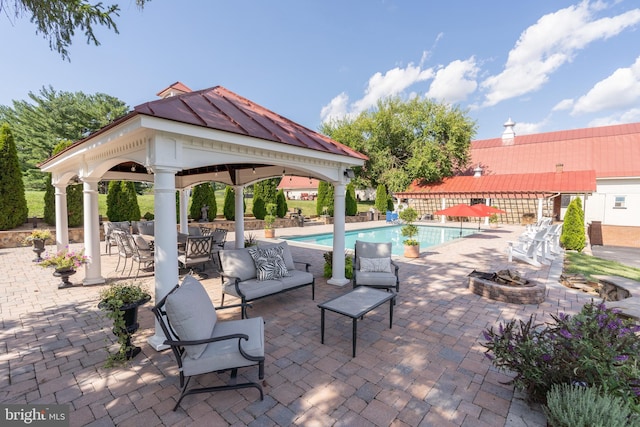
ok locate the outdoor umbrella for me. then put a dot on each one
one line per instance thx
(461, 210)
(480, 207)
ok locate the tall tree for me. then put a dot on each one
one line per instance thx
(229, 208)
(58, 20)
(406, 140)
(51, 117)
(573, 231)
(350, 202)
(203, 195)
(13, 204)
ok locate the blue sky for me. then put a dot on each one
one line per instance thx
(549, 65)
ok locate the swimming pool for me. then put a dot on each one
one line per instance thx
(427, 236)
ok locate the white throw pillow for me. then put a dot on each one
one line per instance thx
(192, 314)
(375, 265)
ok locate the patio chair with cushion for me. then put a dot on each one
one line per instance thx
(201, 344)
(109, 239)
(373, 266)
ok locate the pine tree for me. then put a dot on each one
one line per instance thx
(229, 209)
(573, 232)
(281, 202)
(114, 202)
(131, 208)
(13, 203)
(259, 207)
(75, 205)
(322, 194)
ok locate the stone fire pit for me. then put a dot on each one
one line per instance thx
(506, 286)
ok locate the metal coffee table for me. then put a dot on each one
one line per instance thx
(356, 304)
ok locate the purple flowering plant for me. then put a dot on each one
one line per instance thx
(65, 259)
(596, 347)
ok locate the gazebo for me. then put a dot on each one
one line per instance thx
(184, 139)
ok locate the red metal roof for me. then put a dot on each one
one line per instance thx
(177, 86)
(219, 108)
(611, 151)
(540, 183)
(298, 183)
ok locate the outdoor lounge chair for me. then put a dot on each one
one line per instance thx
(203, 345)
(373, 266)
(530, 250)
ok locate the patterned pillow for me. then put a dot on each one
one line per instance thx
(375, 265)
(269, 262)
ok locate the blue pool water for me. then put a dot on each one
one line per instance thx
(427, 236)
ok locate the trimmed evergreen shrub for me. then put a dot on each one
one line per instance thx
(573, 231)
(203, 195)
(13, 203)
(322, 195)
(75, 205)
(351, 204)
(259, 207)
(131, 208)
(229, 209)
(281, 203)
(579, 406)
(49, 203)
(381, 198)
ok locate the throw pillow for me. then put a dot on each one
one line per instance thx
(269, 262)
(375, 265)
(192, 314)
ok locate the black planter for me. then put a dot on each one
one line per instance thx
(64, 273)
(38, 248)
(131, 325)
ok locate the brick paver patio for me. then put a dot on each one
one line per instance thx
(428, 370)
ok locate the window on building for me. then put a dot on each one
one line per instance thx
(566, 199)
(620, 202)
(477, 201)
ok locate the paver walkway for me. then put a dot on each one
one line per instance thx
(428, 370)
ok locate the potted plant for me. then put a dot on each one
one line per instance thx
(269, 219)
(493, 221)
(120, 301)
(65, 263)
(409, 230)
(328, 265)
(38, 238)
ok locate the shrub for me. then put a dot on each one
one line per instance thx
(595, 347)
(409, 215)
(203, 195)
(13, 203)
(75, 205)
(579, 406)
(351, 204)
(259, 208)
(382, 198)
(573, 232)
(281, 202)
(229, 209)
(328, 265)
(148, 216)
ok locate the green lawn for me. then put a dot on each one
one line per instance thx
(35, 202)
(587, 265)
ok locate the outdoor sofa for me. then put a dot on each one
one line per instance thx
(260, 271)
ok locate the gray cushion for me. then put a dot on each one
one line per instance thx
(141, 243)
(296, 278)
(237, 263)
(375, 279)
(254, 288)
(223, 355)
(192, 314)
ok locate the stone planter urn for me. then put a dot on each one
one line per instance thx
(64, 273)
(38, 248)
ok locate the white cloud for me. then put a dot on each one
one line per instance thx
(565, 104)
(620, 90)
(454, 82)
(630, 116)
(391, 83)
(335, 109)
(529, 128)
(550, 43)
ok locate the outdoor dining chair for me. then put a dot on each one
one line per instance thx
(373, 266)
(197, 253)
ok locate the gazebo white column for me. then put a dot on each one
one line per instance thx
(239, 223)
(93, 273)
(165, 240)
(443, 218)
(185, 193)
(486, 218)
(337, 275)
(62, 222)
